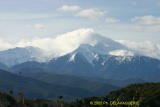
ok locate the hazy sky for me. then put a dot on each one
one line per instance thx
(136, 20)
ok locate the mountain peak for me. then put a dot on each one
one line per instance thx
(98, 45)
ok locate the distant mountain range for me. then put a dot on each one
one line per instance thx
(104, 58)
(94, 65)
(99, 45)
(95, 69)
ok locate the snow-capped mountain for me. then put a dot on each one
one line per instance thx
(102, 46)
(107, 59)
(99, 57)
(107, 67)
(20, 55)
(86, 42)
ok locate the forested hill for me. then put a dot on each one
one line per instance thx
(148, 95)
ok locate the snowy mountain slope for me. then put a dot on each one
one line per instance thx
(107, 59)
(19, 55)
(104, 67)
(95, 56)
(84, 41)
(102, 46)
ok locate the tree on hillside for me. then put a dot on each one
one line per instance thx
(21, 98)
(11, 92)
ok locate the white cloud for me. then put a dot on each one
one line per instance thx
(70, 8)
(111, 20)
(147, 20)
(86, 13)
(5, 45)
(90, 13)
(153, 28)
(121, 53)
(146, 48)
(40, 27)
(61, 44)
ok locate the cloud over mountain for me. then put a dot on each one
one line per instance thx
(146, 48)
(59, 45)
(4, 44)
(68, 42)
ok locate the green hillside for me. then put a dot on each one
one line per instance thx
(33, 88)
(148, 95)
(44, 85)
(96, 87)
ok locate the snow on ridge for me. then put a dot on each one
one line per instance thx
(122, 55)
(124, 58)
(72, 58)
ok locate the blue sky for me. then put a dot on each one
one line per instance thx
(136, 20)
